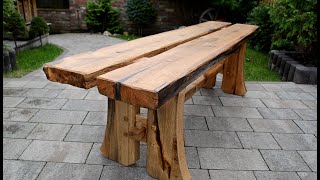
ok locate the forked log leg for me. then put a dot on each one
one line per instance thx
(117, 145)
(233, 73)
(211, 76)
(165, 146)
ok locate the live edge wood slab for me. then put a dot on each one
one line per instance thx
(158, 72)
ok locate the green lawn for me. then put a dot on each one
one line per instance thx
(256, 67)
(32, 59)
(128, 38)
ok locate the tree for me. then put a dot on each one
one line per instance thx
(15, 25)
(38, 27)
(140, 12)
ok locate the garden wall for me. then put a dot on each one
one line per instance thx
(66, 20)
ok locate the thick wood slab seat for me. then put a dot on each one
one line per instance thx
(150, 82)
(82, 69)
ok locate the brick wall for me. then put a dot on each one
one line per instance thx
(66, 20)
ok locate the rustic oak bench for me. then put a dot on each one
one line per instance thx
(158, 72)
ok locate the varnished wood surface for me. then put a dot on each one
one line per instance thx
(81, 70)
(152, 81)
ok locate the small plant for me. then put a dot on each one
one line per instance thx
(101, 16)
(15, 25)
(140, 12)
(263, 35)
(38, 27)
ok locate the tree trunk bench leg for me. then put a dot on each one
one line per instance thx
(116, 145)
(233, 73)
(165, 144)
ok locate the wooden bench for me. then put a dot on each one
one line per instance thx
(158, 72)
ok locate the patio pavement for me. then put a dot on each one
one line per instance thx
(53, 130)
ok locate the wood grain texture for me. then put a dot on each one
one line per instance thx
(152, 81)
(165, 147)
(117, 144)
(81, 70)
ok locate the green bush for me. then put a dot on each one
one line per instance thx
(295, 24)
(8, 9)
(38, 27)
(15, 25)
(140, 12)
(263, 35)
(101, 16)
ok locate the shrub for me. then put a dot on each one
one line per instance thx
(101, 17)
(263, 35)
(38, 27)
(15, 25)
(8, 9)
(295, 24)
(140, 12)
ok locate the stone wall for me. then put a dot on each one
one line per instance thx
(66, 20)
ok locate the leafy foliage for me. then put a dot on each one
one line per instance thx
(263, 35)
(15, 25)
(101, 16)
(140, 12)
(38, 27)
(8, 9)
(295, 24)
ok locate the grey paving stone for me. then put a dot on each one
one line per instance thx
(55, 85)
(125, 173)
(231, 159)
(311, 104)
(17, 129)
(56, 151)
(278, 126)
(254, 87)
(216, 92)
(86, 105)
(70, 87)
(84, 133)
(12, 101)
(95, 95)
(296, 141)
(261, 94)
(307, 114)
(15, 84)
(192, 157)
(197, 93)
(197, 110)
(269, 175)
(199, 174)
(59, 116)
(278, 87)
(96, 118)
(21, 170)
(46, 93)
(308, 175)
(314, 94)
(60, 171)
(243, 102)
(96, 157)
(293, 95)
(238, 112)
(43, 103)
(195, 122)
(308, 127)
(310, 157)
(18, 114)
(206, 100)
(271, 113)
(143, 156)
(231, 175)
(228, 124)
(13, 92)
(307, 88)
(280, 160)
(211, 139)
(73, 94)
(49, 132)
(13, 148)
(276, 103)
(36, 84)
(254, 140)
(189, 101)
